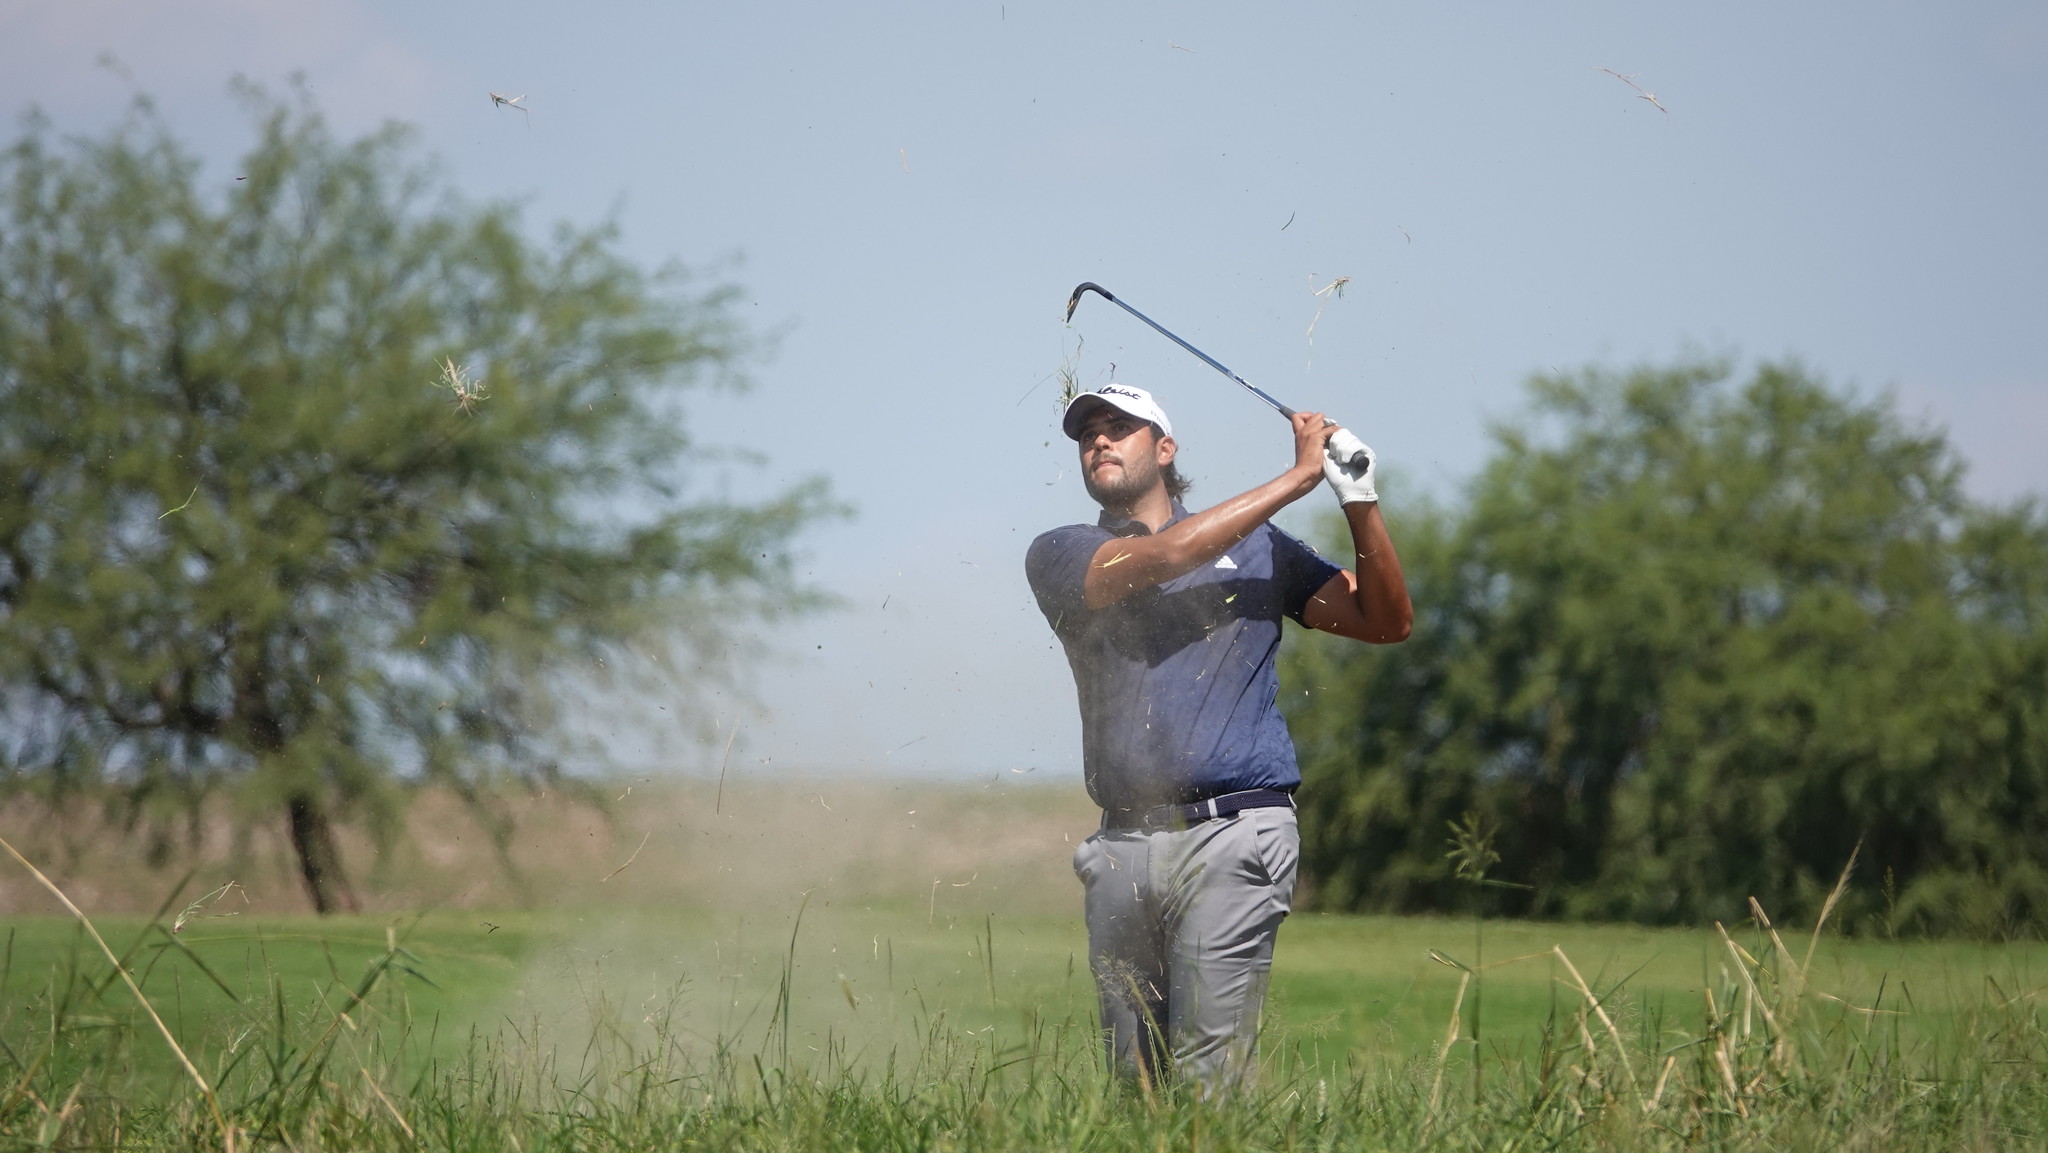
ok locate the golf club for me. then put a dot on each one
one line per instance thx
(1359, 458)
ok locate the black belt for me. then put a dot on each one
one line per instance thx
(1182, 816)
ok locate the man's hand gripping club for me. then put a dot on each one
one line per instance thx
(1351, 482)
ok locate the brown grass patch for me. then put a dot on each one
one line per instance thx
(1004, 842)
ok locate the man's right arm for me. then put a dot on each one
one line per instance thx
(1129, 564)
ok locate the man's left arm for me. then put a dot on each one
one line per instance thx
(1369, 603)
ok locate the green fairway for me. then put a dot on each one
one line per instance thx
(221, 978)
(873, 979)
(1369, 982)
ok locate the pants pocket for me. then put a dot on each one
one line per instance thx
(1276, 847)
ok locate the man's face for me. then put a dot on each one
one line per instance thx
(1121, 456)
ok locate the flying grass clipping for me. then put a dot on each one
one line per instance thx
(468, 390)
(1328, 292)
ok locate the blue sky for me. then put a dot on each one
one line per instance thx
(906, 194)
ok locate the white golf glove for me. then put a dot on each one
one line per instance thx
(1351, 483)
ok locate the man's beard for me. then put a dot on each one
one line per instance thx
(1137, 477)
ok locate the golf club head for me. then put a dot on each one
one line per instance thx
(1086, 286)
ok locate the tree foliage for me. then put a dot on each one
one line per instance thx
(250, 535)
(1690, 640)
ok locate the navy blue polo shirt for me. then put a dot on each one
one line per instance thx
(1179, 696)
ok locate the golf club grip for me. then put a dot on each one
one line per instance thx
(1361, 457)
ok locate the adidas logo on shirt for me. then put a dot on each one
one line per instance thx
(1225, 562)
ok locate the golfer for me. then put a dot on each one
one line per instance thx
(1171, 622)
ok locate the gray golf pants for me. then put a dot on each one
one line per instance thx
(1181, 925)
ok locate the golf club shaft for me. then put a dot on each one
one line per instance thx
(1205, 358)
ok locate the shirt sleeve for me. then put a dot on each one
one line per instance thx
(1057, 567)
(1299, 571)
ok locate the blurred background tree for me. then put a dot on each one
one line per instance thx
(1689, 640)
(316, 479)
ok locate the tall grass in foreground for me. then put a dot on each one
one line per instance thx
(1768, 1061)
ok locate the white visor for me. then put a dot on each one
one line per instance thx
(1122, 397)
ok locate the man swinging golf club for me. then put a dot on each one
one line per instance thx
(1171, 622)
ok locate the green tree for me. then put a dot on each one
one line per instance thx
(318, 479)
(1691, 640)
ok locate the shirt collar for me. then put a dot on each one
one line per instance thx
(1125, 527)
